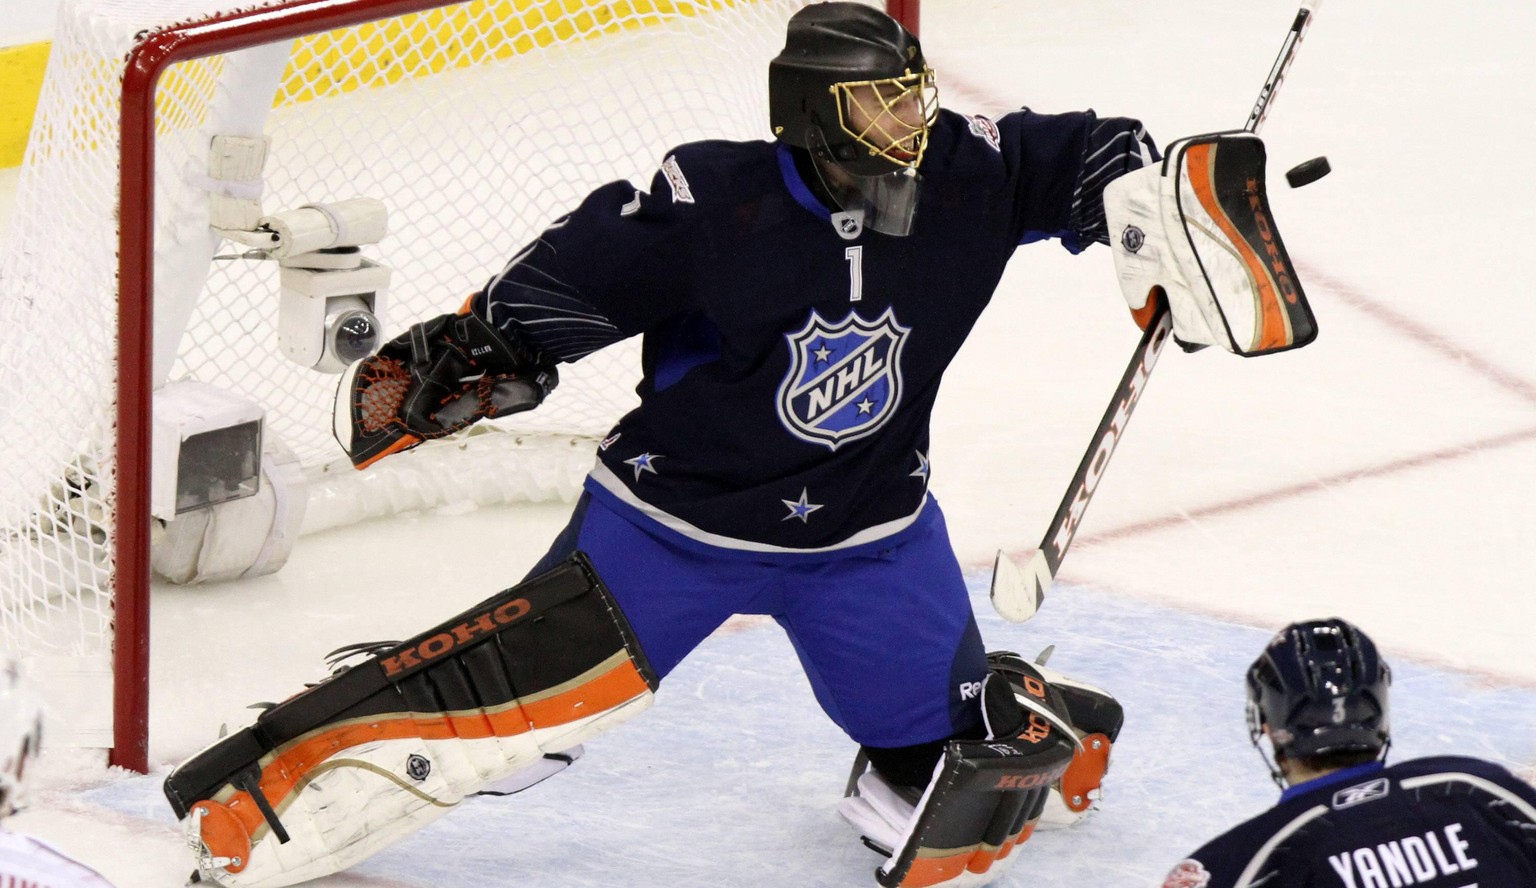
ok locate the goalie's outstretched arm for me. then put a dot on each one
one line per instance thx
(575, 289)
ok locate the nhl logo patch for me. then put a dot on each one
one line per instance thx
(844, 379)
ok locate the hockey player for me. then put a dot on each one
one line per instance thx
(1318, 697)
(25, 861)
(799, 301)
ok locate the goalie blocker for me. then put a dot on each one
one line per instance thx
(344, 768)
(1196, 230)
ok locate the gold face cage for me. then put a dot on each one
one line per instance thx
(890, 116)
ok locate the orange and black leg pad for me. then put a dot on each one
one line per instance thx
(986, 795)
(344, 768)
(1096, 718)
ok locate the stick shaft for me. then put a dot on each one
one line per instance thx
(1016, 595)
(1277, 72)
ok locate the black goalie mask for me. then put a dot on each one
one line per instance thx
(852, 88)
(1319, 687)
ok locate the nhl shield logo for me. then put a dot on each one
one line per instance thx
(844, 379)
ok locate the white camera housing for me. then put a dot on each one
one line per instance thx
(328, 317)
(331, 295)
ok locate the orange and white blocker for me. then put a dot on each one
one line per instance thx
(1197, 230)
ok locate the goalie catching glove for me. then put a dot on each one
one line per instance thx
(1196, 231)
(437, 378)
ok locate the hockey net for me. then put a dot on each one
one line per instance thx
(475, 123)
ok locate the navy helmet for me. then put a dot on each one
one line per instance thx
(831, 49)
(1320, 687)
(851, 87)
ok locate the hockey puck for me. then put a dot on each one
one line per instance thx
(1308, 171)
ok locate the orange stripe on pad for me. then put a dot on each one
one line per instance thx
(1273, 325)
(228, 827)
(943, 866)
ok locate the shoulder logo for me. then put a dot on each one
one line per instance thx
(1188, 873)
(1133, 239)
(1360, 793)
(984, 128)
(844, 379)
(681, 193)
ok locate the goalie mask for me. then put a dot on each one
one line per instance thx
(1319, 688)
(852, 88)
(21, 729)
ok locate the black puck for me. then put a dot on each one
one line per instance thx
(1308, 171)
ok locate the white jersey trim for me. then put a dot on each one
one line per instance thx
(1246, 879)
(1487, 786)
(610, 482)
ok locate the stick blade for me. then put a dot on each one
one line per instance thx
(1016, 595)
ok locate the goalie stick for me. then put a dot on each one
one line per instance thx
(1017, 594)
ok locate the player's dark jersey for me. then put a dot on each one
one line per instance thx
(792, 356)
(1443, 821)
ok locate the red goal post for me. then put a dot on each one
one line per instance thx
(585, 90)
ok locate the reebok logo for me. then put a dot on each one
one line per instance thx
(1361, 793)
(970, 690)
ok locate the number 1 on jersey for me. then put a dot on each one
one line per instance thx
(855, 257)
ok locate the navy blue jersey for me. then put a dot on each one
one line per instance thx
(1442, 821)
(791, 357)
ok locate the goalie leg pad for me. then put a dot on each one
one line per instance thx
(1096, 718)
(984, 798)
(344, 768)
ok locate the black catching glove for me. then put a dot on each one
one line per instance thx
(437, 378)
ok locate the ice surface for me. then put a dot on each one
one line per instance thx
(1383, 474)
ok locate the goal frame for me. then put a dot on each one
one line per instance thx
(147, 61)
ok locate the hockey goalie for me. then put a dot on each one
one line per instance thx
(799, 300)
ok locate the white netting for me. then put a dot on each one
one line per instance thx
(476, 124)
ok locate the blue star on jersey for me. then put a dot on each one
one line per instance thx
(922, 467)
(801, 508)
(643, 463)
(844, 379)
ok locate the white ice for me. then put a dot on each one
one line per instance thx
(1383, 474)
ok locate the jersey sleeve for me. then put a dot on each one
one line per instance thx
(1060, 164)
(1509, 801)
(615, 267)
